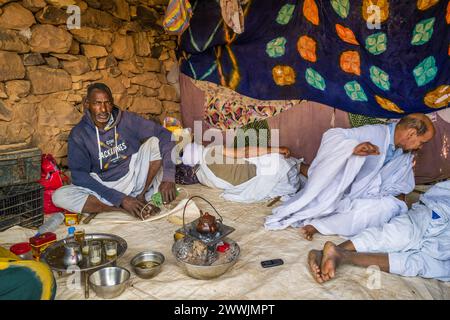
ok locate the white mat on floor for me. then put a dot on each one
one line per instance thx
(246, 280)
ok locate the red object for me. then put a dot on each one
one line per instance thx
(224, 247)
(40, 243)
(42, 239)
(20, 248)
(51, 179)
(49, 207)
(48, 163)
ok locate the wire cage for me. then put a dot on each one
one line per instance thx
(21, 205)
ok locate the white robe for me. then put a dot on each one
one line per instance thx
(418, 242)
(346, 194)
(275, 176)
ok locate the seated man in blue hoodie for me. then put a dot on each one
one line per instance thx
(117, 160)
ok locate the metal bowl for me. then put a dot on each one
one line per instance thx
(149, 257)
(109, 282)
(203, 272)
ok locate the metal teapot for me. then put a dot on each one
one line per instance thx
(72, 254)
(206, 223)
(207, 228)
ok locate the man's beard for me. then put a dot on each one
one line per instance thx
(106, 116)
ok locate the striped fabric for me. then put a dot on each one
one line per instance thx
(178, 14)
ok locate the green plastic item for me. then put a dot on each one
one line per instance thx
(157, 198)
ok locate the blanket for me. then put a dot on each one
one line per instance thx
(380, 58)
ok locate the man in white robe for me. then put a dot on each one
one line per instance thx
(355, 179)
(416, 243)
(248, 174)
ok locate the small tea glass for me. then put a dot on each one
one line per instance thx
(110, 249)
(79, 236)
(95, 253)
(85, 247)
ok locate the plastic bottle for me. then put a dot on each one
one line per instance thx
(52, 223)
(70, 232)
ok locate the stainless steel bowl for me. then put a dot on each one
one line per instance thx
(203, 272)
(109, 282)
(147, 256)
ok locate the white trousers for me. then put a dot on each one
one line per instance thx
(73, 198)
(413, 249)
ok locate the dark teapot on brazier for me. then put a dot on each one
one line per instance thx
(207, 223)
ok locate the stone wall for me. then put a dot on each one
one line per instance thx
(46, 66)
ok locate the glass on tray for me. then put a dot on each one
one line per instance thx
(95, 253)
(110, 249)
(79, 236)
(85, 247)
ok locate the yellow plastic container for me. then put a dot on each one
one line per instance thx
(71, 219)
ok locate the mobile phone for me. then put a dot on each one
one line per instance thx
(271, 263)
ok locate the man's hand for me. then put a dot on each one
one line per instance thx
(366, 149)
(141, 197)
(402, 197)
(132, 206)
(284, 151)
(168, 191)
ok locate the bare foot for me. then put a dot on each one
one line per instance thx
(308, 231)
(330, 261)
(314, 259)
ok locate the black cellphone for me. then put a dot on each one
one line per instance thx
(271, 263)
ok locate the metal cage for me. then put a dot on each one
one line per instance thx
(21, 205)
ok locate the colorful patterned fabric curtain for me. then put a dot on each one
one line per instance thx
(379, 58)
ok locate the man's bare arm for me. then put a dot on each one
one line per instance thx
(252, 151)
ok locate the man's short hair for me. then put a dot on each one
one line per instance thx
(414, 123)
(99, 86)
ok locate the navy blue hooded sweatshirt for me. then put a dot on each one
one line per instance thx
(118, 142)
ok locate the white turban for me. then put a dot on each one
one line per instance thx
(192, 154)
